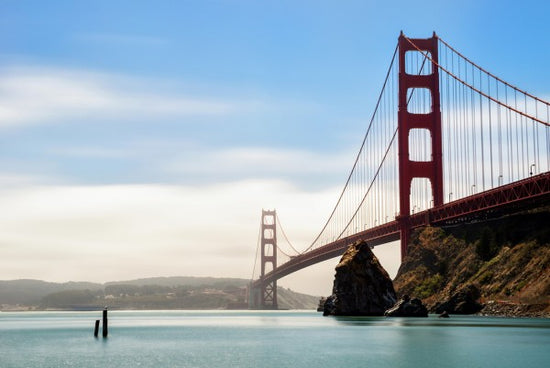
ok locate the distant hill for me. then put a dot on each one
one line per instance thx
(289, 299)
(504, 264)
(182, 281)
(30, 292)
(147, 293)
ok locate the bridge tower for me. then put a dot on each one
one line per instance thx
(268, 293)
(430, 121)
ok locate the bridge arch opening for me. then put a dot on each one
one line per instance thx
(419, 100)
(269, 250)
(418, 63)
(269, 234)
(420, 145)
(268, 267)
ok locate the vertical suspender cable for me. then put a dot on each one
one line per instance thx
(509, 135)
(490, 130)
(473, 135)
(537, 135)
(482, 139)
(501, 178)
(451, 164)
(547, 139)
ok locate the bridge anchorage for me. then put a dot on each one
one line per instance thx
(448, 143)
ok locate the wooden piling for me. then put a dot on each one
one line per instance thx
(96, 328)
(105, 328)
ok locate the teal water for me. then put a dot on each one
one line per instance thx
(269, 339)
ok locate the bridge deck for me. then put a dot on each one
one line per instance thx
(527, 193)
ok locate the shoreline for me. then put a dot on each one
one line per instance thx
(491, 309)
(512, 310)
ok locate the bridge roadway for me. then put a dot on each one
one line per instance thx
(528, 193)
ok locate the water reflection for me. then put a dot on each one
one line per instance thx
(435, 321)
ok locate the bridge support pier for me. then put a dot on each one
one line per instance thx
(405, 234)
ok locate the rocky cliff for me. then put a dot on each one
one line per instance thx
(497, 267)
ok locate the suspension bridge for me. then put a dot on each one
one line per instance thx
(448, 142)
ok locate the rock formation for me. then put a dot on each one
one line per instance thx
(361, 285)
(504, 262)
(407, 307)
(464, 301)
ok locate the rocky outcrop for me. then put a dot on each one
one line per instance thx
(407, 307)
(321, 305)
(505, 261)
(464, 301)
(508, 309)
(361, 285)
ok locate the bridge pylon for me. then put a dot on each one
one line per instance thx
(407, 121)
(265, 297)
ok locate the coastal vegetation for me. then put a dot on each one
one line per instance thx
(503, 264)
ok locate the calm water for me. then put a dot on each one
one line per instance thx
(269, 339)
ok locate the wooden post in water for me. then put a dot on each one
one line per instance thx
(105, 328)
(96, 328)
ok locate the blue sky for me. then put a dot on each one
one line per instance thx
(162, 128)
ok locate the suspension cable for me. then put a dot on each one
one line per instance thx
(284, 235)
(483, 70)
(285, 253)
(371, 183)
(480, 92)
(359, 154)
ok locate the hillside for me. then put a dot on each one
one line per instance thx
(151, 293)
(503, 265)
(182, 281)
(30, 292)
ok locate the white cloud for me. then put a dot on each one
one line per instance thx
(14, 180)
(102, 233)
(105, 233)
(198, 164)
(42, 95)
(262, 162)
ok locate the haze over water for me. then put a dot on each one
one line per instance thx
(269, 339)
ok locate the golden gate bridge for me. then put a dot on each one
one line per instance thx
(448, 142)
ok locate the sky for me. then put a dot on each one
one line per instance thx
(144, 138)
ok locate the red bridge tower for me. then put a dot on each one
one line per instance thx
(431, 121)
(263, 295)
